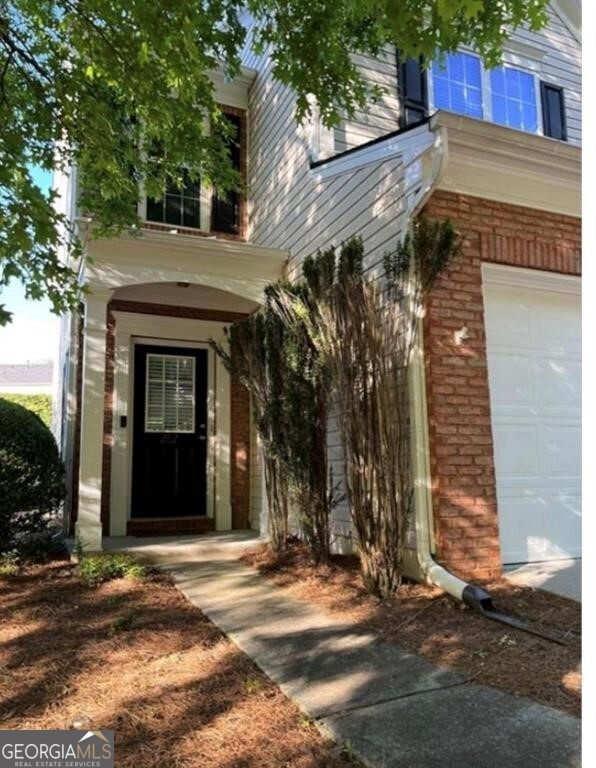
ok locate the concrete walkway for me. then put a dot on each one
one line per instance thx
(393, 708)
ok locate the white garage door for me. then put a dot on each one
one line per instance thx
(533, 339)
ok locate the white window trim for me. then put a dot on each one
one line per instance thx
(510, 60)
(320, 139)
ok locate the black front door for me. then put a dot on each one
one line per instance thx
(169, 474)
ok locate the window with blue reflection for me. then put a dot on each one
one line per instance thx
(457, 84)
(513, 98)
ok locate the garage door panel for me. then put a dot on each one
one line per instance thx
(511, 376)
(533, 345)
(548, 526)
(506, 317)
(516, 450)
(558, 325)
(561, 451)
(560, 384)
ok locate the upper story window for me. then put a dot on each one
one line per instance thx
(190, 204)
(180, 206)
(506, 95)
(457, 85)
(513, 98)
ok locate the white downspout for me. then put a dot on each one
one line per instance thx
(432, 572)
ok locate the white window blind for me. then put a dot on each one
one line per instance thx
(170, 393)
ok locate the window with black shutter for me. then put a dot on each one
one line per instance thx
(413, 95)
(226, 208)
(553, 111)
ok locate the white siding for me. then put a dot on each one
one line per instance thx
(382, 116)
(290, 207)
(293, 209)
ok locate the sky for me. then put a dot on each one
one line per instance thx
(33, 334)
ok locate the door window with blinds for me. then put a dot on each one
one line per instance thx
(170, 394)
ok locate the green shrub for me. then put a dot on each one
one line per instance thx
(41, 405)
(95, 569)
(31, 475)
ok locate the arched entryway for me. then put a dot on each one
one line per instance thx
(165, 435)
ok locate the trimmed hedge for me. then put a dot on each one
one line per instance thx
(31, 474)
(39, 404)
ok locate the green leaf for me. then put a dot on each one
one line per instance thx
(106, 81)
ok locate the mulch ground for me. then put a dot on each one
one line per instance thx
(427, 621)
(136, 657)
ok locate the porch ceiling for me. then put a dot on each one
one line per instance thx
(186, 295)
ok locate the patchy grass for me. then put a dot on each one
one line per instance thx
(95, 569)
(134, 656)
(9, 563)
(428, 622)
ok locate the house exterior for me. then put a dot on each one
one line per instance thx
(495, 387)
(26, 379)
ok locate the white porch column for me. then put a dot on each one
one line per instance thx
(88, 527)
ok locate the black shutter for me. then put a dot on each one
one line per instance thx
(553, 111)
(155, 209)
(226, 210)
(413, 97)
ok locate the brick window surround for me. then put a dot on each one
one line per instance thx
(240, 413)
(243, 228)
(460, 433)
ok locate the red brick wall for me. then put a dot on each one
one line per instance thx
(240, 439)
(240, 413)
(461, 446)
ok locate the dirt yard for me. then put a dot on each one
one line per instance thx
(136, 657)
(434, 625)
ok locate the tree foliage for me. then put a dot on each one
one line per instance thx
(106, 83)
(39, 404)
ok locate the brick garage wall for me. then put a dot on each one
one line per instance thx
(240, 412)
(461, 445)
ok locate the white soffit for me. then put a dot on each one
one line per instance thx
(498, 163)
(233, 93)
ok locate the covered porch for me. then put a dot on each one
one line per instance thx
(159, 432)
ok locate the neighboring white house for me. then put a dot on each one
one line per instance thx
(26, 378)
(497, 398)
